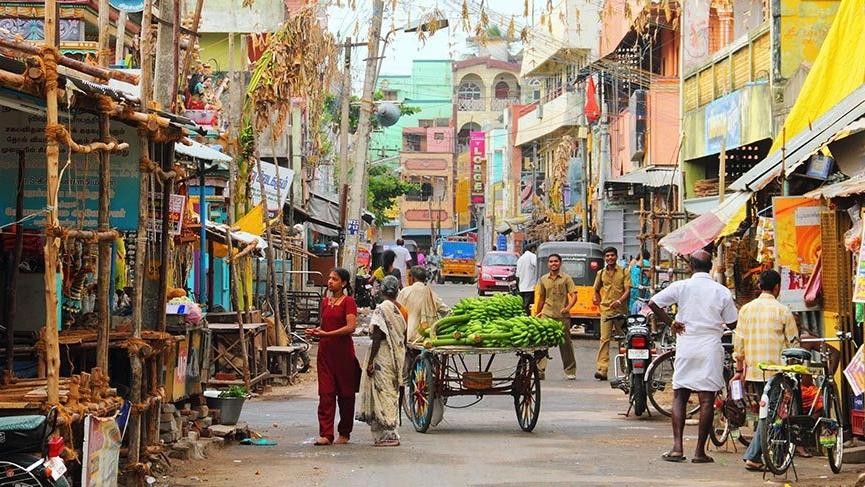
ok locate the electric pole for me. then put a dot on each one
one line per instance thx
(349, 249)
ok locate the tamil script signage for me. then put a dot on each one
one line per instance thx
(477, 164)
(78, 198)
(276, 188)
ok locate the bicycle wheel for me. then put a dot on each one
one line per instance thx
(659, 379)
(421, 393)
(527, 393)
(777, 444)
(720, 426)
(831, 435)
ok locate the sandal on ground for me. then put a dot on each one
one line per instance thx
(801, 452)
(706, 459)
(342, 440)
(672, 457)
(753, 466)
(387, 443)
(322, 441)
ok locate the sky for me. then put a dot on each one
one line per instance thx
(404, 47)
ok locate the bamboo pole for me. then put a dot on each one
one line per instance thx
(52, 245)
(141, 251)
(12, 283)
(92, 70)
(120, 45)
(103, 273)
(273, 293)
(175, 56)
(281, 336)
(187, 60)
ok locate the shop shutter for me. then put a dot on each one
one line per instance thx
(837, 267)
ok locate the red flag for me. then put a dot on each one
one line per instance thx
(592, 110)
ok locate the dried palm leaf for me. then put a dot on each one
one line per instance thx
(512, 29)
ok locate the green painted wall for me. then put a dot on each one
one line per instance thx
(429, 88)
(214, 51)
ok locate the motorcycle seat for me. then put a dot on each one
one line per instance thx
(21, 423)
(796, 353)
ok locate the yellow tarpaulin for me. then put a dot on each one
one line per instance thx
(838, 70)
(252, 222)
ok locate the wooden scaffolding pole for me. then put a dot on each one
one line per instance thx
(103, 273)
(141, 253)
(52, 245)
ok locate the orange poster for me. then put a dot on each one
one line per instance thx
(797, 245)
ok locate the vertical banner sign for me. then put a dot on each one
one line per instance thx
(477, 164)
(695, 32)
(859, 277)
(797, 244)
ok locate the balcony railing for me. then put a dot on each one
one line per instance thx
(499, 104)
(470, 105)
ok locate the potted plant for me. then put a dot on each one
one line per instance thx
(229, 402)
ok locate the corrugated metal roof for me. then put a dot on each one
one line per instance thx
(653, 177)
(854, 185)
(800, 147)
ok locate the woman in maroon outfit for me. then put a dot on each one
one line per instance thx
(338, 368)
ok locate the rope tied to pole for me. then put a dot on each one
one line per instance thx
(49, 56)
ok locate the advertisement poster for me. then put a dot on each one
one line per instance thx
(477, 165)
(364, 255)
(723, 123)
(78, 199)
(859, 276)
(272, 184)
(101, 452)
(695, 32)
(531, 185)
(797, 246)
(176, 205)
(855, 372)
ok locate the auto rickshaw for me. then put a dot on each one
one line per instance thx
(581, 261)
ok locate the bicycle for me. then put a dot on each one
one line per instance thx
(722, 429)
(783, 426)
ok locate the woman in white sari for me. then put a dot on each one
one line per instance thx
(379, 386)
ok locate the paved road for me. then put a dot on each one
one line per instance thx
(580, 439)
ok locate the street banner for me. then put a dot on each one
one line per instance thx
(797, 244)
(855, 372)
(102, 439)
(695, 32)
(271, 183)
(477, 164)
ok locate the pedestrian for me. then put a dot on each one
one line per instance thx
(435, 264)
(380, 385)
(403, 260)
(765, 328)
(338, 368)
(639, 281)
(388, 267)
(612, 288)
(527, 276)
(422, 303)
(557, 294)
(704, 308)
(421, 258)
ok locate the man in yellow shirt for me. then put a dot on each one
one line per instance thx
(612, 289)
(766, 327)
(557, 294)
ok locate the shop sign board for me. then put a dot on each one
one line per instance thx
(272, 185)
(78, 197)
(724, 123)
(477, 164)
(797, 245)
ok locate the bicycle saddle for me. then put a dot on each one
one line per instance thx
(799, 354)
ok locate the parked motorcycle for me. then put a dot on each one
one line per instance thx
(21, 437)
(635, 355)
(363, 292)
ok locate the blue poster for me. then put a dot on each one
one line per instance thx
(78, 199)
(724, 123)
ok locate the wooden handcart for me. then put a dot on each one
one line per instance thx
(444, 372)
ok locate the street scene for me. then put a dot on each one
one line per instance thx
(467, 242)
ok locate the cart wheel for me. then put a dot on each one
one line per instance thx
(421, 392)
(527, 393)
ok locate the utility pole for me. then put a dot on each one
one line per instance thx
(163, 78)
(363, 129)
(344, 125)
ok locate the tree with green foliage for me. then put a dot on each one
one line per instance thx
(384, 188)
(333, 114)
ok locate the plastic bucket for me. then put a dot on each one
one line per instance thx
(229, 408)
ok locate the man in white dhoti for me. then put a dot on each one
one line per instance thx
(704, 308)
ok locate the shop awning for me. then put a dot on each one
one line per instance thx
(653, 177)
(201, 152)
(324, 215)
(721, 221)
(852, 186)
(701, 206)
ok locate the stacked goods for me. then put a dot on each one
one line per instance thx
(497, 322)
